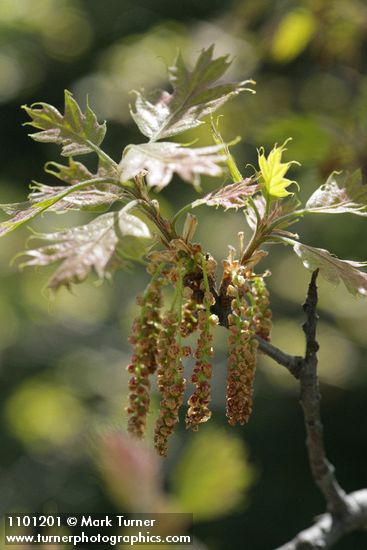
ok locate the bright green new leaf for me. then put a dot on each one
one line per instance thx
(272, 172)
(78, 133)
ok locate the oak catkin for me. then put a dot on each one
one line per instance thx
(242, 347)
(171, 383)
(198, 411)
(144, 338)
(262, 316)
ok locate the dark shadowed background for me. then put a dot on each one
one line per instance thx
(62, 360)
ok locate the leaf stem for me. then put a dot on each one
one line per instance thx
(151, 210)
(255, 209)
(282, 219)
(102, 155)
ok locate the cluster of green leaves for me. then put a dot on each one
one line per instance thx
(114, 238)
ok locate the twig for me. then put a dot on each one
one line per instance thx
(328, 529)
(291, 362)
(322, 470)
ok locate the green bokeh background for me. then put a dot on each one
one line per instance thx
(62, 359)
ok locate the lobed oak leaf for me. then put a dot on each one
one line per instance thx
(84, 194)
(161, 160)
(93, 198)
(102, 245)
(234, 195)
(71, 173)
(347, 196)
(332, 268)
(194, 96)
(75, 131)
(273, 170)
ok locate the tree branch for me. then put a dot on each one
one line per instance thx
(328, 529)
(345, 513)
(322, 470)
(291, 362)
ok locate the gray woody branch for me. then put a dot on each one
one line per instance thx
(345, 513)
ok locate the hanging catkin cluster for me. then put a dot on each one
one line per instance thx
(198, 402)
(171, 383)
(242, 305)
(262, 312)
(242, 346)
(250, 317)
(144, 336)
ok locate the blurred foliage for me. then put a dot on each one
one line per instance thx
(63, 383)
(36, 413)
(215, 463)
(293, 34)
